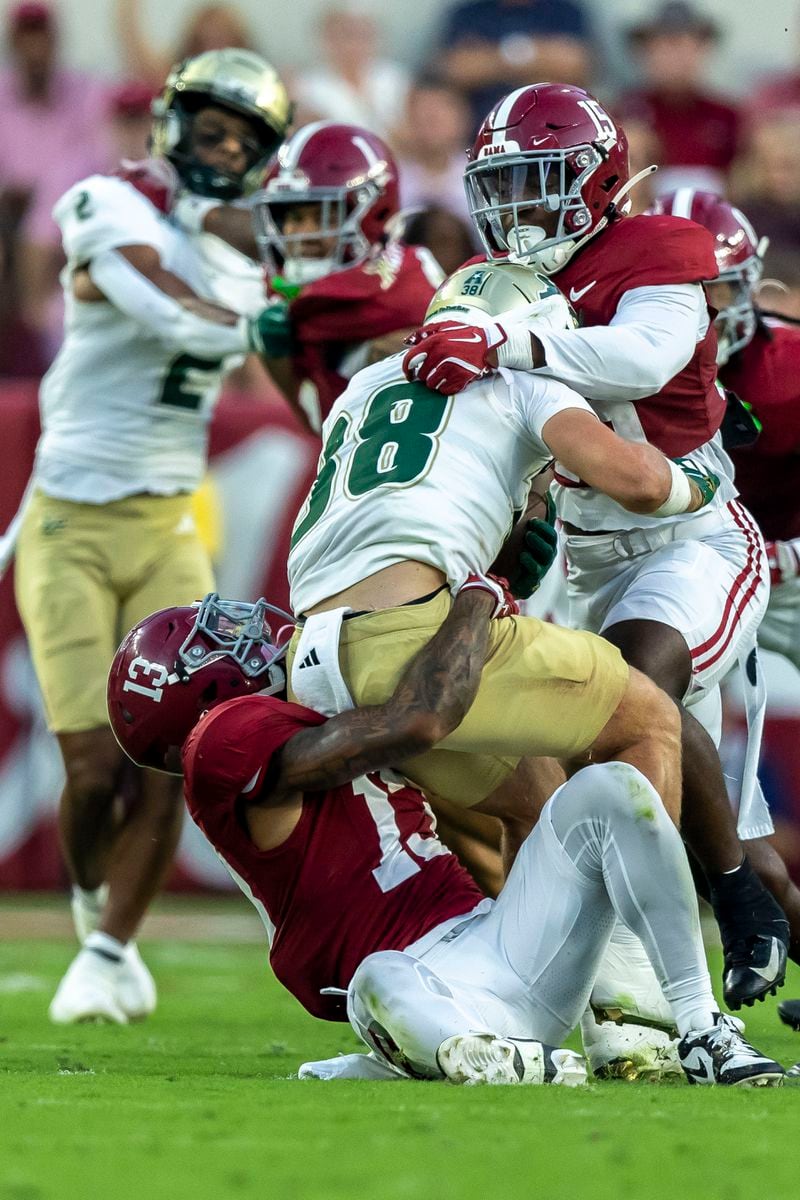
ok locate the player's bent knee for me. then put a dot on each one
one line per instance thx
(611, 792)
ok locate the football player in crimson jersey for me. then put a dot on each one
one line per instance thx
(547, 185)
(345, 289)
(368, 915)
(759, 358)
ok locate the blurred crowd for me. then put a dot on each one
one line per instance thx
(59, 125)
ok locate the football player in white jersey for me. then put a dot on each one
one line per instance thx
(154, 317)
(412, 489)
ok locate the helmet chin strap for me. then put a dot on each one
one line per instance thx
(632, 182)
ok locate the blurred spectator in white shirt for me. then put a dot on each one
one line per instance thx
(210, 27)
(53, 132)
(354, 84)
(490, 47)
(431, 144)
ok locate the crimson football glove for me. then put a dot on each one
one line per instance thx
(539, 549)
(784, 561)
(497, 588)
(155, 178)
(448, 355)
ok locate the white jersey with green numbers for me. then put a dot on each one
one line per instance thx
(408, 474)
(121, 411)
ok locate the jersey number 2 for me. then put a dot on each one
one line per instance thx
(187, 382)
(397, 442)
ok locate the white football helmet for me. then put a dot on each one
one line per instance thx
(490, 291)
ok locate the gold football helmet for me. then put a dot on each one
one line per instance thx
(232, 79)
(479, 294)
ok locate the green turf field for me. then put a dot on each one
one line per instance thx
(199, 1102)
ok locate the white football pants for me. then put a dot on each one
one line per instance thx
(604, 849)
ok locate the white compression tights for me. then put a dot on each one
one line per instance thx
(604, 849)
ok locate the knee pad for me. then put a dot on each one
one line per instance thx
(604, 790)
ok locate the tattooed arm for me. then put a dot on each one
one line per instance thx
(431, 699)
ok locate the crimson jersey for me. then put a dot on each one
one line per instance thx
(651, 251)
(334, 316)
(766, 373)
(363, 869)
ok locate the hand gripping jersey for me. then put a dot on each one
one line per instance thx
(363, 869)
(334, 316)
(406, 473)
(684, 417)
(122, 411)
(766, 374)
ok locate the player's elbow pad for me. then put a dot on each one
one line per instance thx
(163, 316)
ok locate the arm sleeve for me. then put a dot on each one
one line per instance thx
(129, 291)
(104, 212)
(651, 337)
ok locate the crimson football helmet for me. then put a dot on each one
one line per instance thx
(179, 662)
(740, 259)
(546, 149)
(350, 174)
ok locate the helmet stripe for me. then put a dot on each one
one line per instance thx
(298, 142)
(504, 112)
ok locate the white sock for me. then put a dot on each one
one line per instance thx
(106, 946)
(87, 907)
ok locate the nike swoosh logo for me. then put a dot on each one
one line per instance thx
(576, 293)
(770, 971)
(539, 141)
(473, 337)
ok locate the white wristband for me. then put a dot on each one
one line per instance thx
(190, 211)
(680, 494)
(516, 352)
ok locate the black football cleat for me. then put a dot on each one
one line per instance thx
(789, 1013)
(721, 1055)
(755, 967)
(755, 937)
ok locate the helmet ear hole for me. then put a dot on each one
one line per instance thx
(209, 694)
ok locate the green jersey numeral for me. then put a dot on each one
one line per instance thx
(397, 441)
(83, 206)
(322, 486)
(188, 381)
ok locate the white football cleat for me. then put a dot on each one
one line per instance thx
(630, 1052)
(485, 1058)
(349, 1066)
(626, 988)
(88, 992)
(136, 988)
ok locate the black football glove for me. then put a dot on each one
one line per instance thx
(539, 549)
